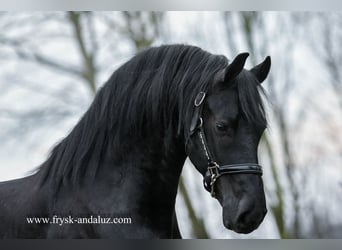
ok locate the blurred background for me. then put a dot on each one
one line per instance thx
(52, 63)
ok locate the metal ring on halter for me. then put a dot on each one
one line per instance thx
(200, 96)
(200, 123)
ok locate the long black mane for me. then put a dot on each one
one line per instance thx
(150, 96)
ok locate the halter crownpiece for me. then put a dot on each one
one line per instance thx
(214, 170)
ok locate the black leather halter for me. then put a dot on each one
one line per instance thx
(214, 170)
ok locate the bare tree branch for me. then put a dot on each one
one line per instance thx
(89, 71)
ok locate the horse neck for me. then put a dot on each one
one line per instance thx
(155, 162)
(147, 174)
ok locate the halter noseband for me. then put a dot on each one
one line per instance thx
(214, 170)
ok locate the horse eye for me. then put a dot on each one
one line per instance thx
(221, 127)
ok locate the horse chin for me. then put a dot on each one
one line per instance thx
(241, 229)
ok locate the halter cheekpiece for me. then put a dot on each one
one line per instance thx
(214, 170)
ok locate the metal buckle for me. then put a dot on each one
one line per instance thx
(199, 98)
(213, 169)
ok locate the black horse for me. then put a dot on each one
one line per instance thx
(124, 157)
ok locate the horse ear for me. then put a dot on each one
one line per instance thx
(261, 70)
(235, 67)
